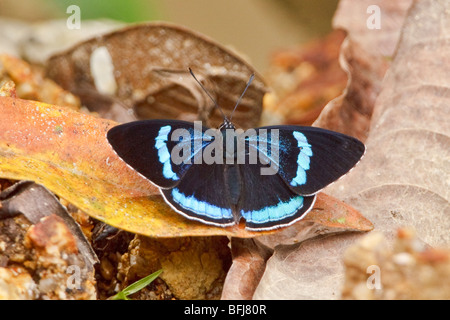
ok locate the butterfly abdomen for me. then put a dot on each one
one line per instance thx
(233, 183)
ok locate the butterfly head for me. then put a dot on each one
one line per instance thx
(227, 124)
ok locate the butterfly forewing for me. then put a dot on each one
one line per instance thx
(147, 146)
(309, 158)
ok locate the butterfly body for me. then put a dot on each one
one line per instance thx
(268, 176)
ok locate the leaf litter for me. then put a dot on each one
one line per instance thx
(403, 178)
(316, 245)
(86, 173)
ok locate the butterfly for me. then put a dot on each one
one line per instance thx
(268, 176)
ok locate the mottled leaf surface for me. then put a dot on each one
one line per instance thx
(407, 165)
(404, 177)
(329, 216)
(366, 54)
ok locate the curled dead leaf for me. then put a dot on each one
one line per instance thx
(403, 178)
(405, 172)
(149, 76)
(365, 57)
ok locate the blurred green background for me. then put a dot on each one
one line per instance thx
(256, 28)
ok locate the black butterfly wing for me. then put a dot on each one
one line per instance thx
(197, 191)
(147, 147)
(203, 195)
(308, 158)
(266, 202)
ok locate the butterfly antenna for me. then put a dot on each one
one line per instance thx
(242, 95)
(206, 91)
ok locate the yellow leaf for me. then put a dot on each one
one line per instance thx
(67, 152)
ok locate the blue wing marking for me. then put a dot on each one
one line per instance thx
(163, 152)
(277, 212)
(303, 159)
(200, 207)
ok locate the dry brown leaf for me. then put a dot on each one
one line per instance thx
(404, 177)
(309, 270)
(149, 75)
(329, 216)
(365, 56)
(406, 168)
(249, 263)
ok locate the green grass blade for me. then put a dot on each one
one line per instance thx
(136, 286)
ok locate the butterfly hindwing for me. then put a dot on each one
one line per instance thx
(147, 147)
(309, 158)
(202, 195)
(267, 203)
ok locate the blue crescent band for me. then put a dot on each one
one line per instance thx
(201, 208)
(274, 213)
(163, 152)
(303, 159)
